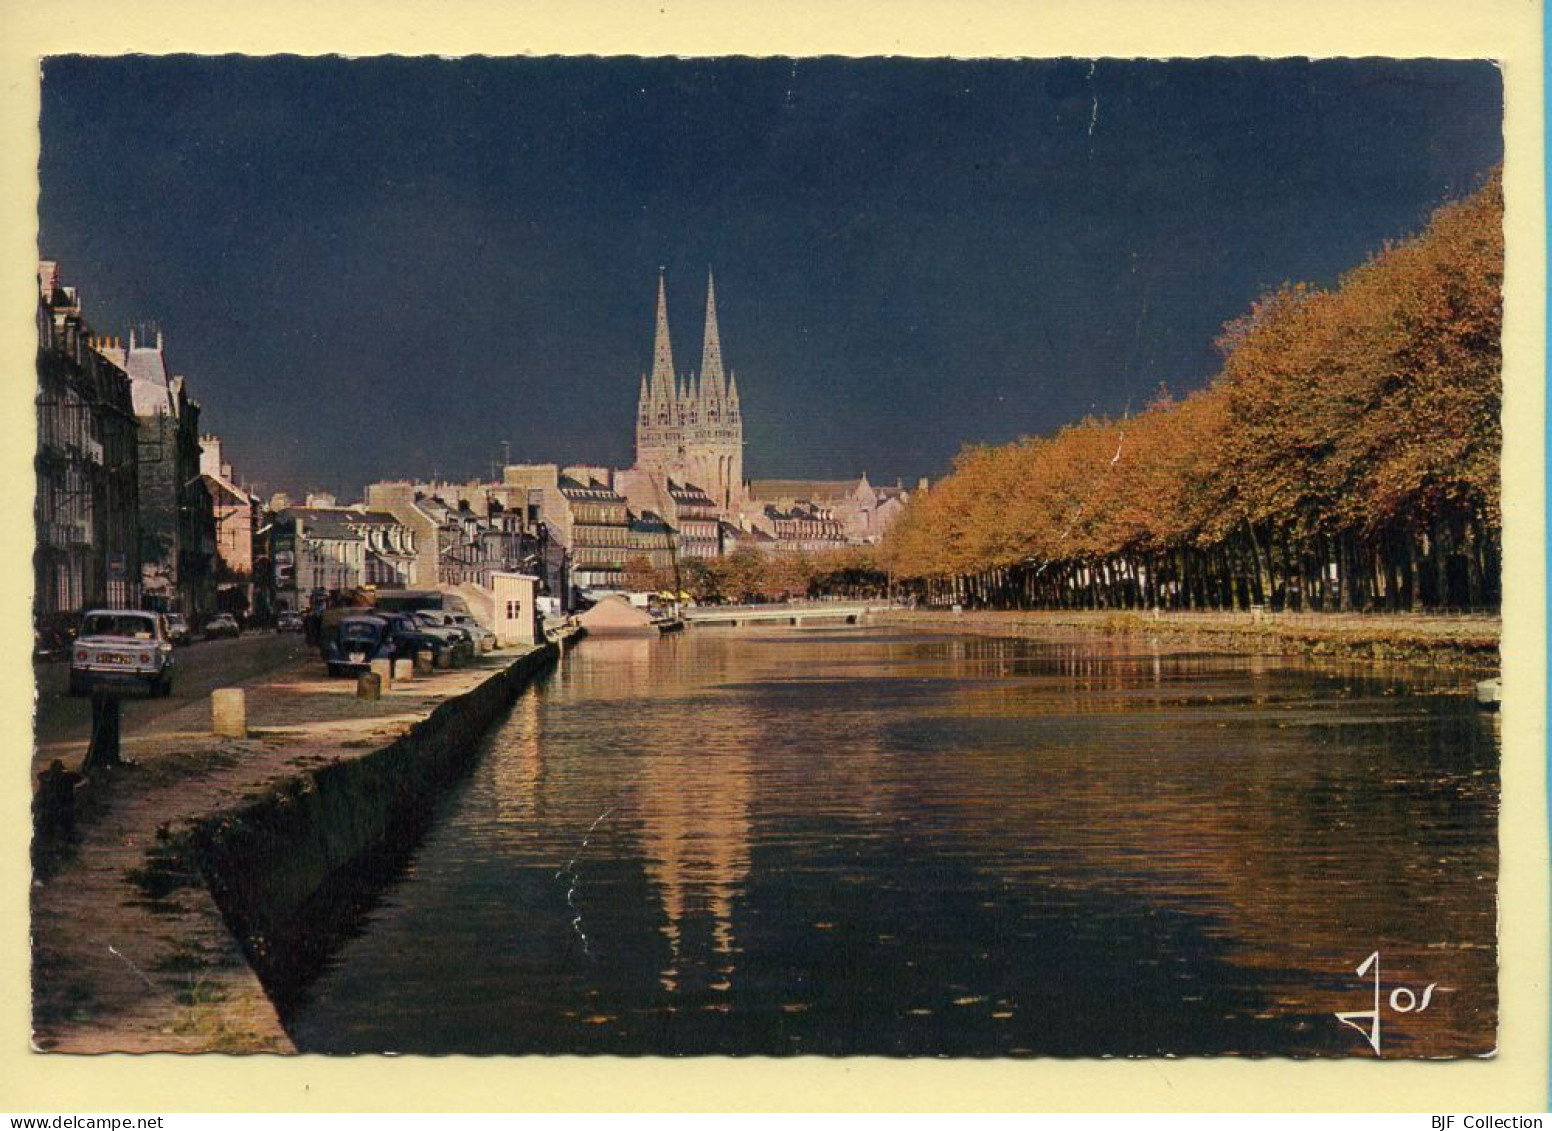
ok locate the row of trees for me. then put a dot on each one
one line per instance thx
(1346, 456)
(748, 576)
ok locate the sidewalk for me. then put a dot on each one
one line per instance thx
(129, 957)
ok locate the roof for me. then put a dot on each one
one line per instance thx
(751, 535)
(771, 489)
(371, 518)
(805, 511)
(649, 523)
(689, 493)
(337, 523)
(594, 490)
(221, 483)
(149, 382)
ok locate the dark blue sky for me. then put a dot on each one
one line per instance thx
(387, 267)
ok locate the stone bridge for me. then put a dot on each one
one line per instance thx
(792, 613)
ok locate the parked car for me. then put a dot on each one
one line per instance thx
(222, 625)
(354, 642)
(475, 629)
(288, 622)
(178, 628)
(122, 648)
(52, 636)
(442, 623)
(410, 636)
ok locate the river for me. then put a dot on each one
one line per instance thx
(868, 841)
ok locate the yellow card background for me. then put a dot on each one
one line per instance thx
(1516, 1079)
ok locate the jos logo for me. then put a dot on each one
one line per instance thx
(1401, 1000)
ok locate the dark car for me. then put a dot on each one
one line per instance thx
(410, 636)
(354, 642)
(52, 635)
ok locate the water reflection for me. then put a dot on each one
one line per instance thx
(869, 842)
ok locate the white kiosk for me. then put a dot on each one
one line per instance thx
(515, 609)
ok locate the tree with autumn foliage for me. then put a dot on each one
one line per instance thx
(1345, 456)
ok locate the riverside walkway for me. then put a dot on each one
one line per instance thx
(1467, 640)
(125, 962)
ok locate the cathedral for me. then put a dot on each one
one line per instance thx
(688, 428)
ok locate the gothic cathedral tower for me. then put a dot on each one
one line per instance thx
(689, 429)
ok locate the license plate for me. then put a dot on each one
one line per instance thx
(105, 658)
(357, 657)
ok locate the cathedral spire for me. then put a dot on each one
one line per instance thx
(662, 350)
(711, 351)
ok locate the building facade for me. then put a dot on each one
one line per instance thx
(177, 517)
(321, 554)
(86, 508)
(597, 525)
(238, 517)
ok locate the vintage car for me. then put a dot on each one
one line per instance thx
(288, 622)
(122, 648)
(439, 624)
(442, 621)
(410, 636)
(223, 624)
(475, 629)
(353, 642)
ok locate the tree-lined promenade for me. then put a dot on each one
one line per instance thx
(1346, 457)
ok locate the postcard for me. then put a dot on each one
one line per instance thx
(986, 562)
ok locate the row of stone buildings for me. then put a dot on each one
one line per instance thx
(136, 507)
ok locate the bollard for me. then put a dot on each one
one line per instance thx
(229, 713)
(444, 658)
(424, 659)
(383, 669)
(369, 685)
(102, 752)
(404, 668)
(487, 643)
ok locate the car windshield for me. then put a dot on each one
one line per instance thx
(119, 624)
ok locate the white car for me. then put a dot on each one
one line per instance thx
(122, 647)
(474, 628)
